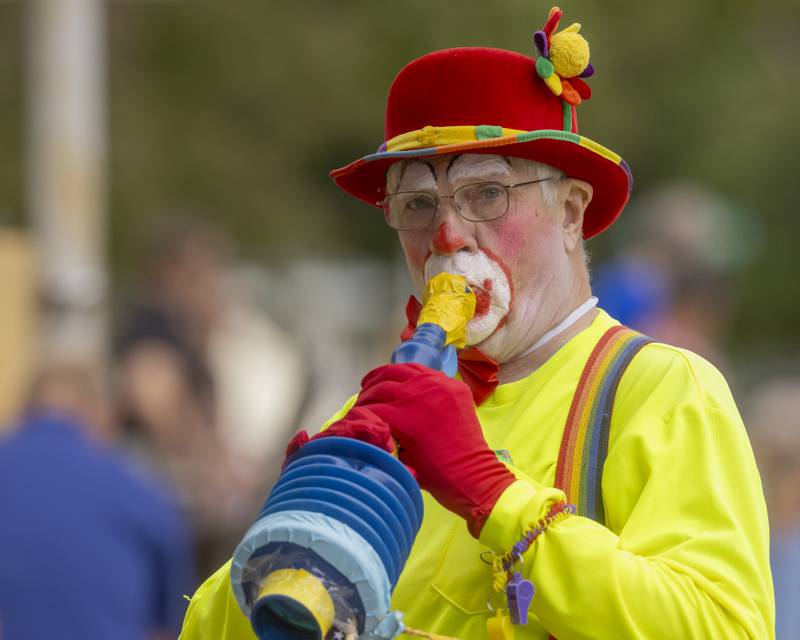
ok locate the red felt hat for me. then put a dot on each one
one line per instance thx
(481, 100)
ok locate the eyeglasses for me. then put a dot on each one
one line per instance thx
(480, 202)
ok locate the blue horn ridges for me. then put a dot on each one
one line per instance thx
(349, 504)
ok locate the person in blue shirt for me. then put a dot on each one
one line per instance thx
(91, 547)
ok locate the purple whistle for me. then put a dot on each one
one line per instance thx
(519, 593)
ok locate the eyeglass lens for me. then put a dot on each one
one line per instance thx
(477, 203)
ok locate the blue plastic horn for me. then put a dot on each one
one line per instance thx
(345, 513)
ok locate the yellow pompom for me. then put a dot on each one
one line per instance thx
(569, 52)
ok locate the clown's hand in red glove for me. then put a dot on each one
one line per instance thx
(431, 419)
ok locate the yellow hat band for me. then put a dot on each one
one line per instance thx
(428, 137)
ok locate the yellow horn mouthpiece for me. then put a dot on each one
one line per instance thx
(293, 603)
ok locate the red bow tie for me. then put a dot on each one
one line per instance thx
(477, 370)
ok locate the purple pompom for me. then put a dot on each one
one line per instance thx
(587, 72)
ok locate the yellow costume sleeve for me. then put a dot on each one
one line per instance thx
(685, 552)
(213, 613)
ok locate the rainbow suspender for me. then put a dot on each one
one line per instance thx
(584, 445)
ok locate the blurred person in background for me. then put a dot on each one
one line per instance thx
(91, 546)
(773, 420)
(199, 369)
(671, 277)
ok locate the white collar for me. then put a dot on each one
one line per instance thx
(562, 326)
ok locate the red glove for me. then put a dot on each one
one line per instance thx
(432, 420)
(359, 423)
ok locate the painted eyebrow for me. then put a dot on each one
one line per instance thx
(406, 164)
(450, 164)
(454, 158)
(403, 168)
(430, 168)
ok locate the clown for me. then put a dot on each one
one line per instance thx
(611, 472)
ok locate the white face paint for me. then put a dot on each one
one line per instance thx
(489, 282)
(478, 167)
(417, 177)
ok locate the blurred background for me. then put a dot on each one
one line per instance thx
(182, 287)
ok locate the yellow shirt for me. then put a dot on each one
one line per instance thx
(685, 552)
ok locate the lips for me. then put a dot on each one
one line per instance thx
(483, 299)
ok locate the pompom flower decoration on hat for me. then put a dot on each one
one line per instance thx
(563, 59)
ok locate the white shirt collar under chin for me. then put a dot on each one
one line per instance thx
(562, 326)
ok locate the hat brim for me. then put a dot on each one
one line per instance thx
(575, 155)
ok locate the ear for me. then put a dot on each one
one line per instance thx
(577, 198)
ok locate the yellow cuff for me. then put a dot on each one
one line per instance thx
(520, 506)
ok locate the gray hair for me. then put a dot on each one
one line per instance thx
(533, 170)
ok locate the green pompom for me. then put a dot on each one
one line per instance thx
(544, 67)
